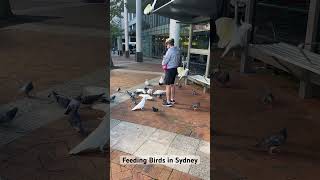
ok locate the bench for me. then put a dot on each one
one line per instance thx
(201, 80)
(303, 64)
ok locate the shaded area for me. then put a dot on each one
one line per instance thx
(20, 19)
(242, 119)
(43, 154)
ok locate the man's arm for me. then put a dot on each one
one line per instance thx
(166, 57)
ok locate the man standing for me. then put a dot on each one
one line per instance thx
(170, 63)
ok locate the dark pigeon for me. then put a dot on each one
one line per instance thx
(73, 110)
(27, 88)
(132, 97)
(8, 116)
(90, 99)
(63, 101)
(274, 141)
(195, 106)
(155, 109)
(268, 98)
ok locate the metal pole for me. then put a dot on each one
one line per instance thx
(126, 33)
(139, 56)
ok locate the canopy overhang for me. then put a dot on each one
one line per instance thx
(189, 11)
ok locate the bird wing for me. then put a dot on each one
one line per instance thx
(224, 28)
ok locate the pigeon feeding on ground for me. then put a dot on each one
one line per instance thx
(140, 105)
(139, 91)
(222, 77)
(155, 109)
(268, 98)
(73, 111)
(119, 89)
(27, 88)
(132, 97)
(90, 99)
(274, 141)
(195, 106)
(194, 92)
(159, 92)
(8, 116)
(63, 101)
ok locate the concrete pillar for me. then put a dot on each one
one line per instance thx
(119, 45)
(175, 32)
(126, 30)
(138, 31)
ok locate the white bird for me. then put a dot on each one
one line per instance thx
(159, 92)
(150, 91)
(147, 83)
(231, 33)
(148, 97)
(140, 91)
(149, 8)
(140, 105)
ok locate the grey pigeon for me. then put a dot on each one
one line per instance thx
(8, 116)
(132, 97)
(194, 92)
(63, 101)
(27, 88)
(268, 98)
(73, 111)
(195, 106)
(90, 99)
(155, 109)
(274, 141)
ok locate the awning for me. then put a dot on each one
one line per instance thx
(189, 11)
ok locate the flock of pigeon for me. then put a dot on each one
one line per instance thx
(147, 93)
(70, 104)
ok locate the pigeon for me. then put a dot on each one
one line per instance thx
(147, 83)
(222, 77)
(27, 88)
(73, 111)
(195, 106)
(63, 101)
(140, 105)
(268, 98)
(274, 141)
(194, 92)
(150, 91)
(139, 91)
(119, 89)
(90, 99)
(155, 109)
(159, 92)
(132, 97)
(8, 116)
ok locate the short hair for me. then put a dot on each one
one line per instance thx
(170, 41)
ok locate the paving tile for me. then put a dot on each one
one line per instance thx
(204, 147)
(151, 148)
(163, 137)
(129, 144)
(177, 152)
(114, 122)
(184, 143)
(201, 170)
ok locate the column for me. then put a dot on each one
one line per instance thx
(175, 31)
(139, 56)
(126, 26)
(119, 45)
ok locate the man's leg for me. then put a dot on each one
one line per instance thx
(173, 91)
(168, 92)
